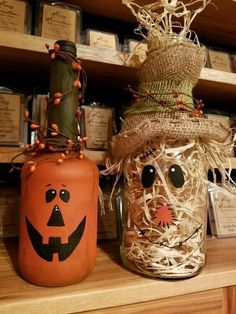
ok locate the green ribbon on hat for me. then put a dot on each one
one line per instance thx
(163, 96)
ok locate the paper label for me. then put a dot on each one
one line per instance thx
(219, 60)
(98, 127)
(58, 23)
(12, 15)
(224, 209)
(10, 118)
(102, 40)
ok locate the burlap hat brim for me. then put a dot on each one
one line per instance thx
(139, 128)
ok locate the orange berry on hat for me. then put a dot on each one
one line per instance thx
(74, 66)
(41, 146)
(54, 126)
(34, 126)
(53, 55)
(56, 47)
(58, 95)
(77, 83)
(56, 101)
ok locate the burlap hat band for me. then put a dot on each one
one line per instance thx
(163, 95)
(178, 62)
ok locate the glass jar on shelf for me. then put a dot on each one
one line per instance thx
(13, 129)
(97, 125)
(59, 20)
(15, 16)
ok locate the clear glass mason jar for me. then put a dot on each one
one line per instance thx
(164, 215)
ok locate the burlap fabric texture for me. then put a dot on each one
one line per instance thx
(167, 69)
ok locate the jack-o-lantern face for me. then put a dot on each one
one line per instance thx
(55, 246)
(58, 225)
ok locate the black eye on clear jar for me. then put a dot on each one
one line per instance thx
(65, 195)
(176, 176)
(148, 176)
(50, 195)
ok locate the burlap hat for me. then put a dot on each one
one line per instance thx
(166, 107)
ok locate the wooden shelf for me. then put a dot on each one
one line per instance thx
(7, 153)
(217, 86)
(28, 50)
(110, 285)
(101, 65)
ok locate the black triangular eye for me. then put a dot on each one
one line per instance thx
(65, 195)
(50, 195)
(176, 176)
(148, 176)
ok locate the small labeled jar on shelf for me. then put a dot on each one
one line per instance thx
(98, 125)
(13, 130)
(15, 16)
(59, 20)
(101, 39)
(219, 60)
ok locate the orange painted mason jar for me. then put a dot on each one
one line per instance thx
(59, 189)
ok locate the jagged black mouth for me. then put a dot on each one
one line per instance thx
(64, 250)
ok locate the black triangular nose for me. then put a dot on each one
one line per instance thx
(56, 218)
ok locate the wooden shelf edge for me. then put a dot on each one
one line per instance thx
(36, 44)
(218, 76)
(7, 153)
(112, 285)
(32, 43)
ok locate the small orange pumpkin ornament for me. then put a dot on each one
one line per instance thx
(59, 190)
